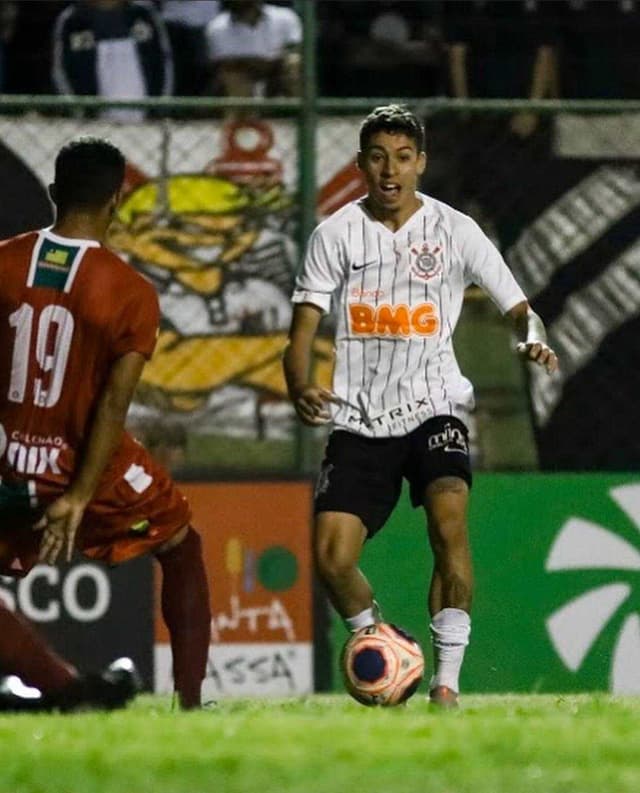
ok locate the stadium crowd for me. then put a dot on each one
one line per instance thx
(478, 48)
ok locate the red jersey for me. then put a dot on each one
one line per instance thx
(68, 309)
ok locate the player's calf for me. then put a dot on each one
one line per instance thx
(186, 612)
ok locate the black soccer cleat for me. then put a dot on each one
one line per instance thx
(113, 688)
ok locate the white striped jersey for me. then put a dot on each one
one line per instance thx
(397, 297)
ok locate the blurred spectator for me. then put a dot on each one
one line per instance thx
(497, 49)
(501, 49)
(254, 49)
(599, 49)
(372, 43)
(186, 21)
(28, 67)
(8, 13)
(116, 49)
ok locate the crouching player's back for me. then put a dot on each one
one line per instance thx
(69, 309)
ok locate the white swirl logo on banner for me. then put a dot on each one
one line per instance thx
(576, 625)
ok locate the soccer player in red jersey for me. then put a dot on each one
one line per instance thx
(77, 324)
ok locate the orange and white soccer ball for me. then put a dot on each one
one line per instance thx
(382, 665)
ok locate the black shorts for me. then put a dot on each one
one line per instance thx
(363, 476)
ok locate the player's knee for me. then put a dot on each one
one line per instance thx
(334, 561)
(178, 538)
(449, 535)
(337, 544)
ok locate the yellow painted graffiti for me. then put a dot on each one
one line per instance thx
(224, 321)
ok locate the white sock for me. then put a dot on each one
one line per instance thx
(450, 630)
(361, 620)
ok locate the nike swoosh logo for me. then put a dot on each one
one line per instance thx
(356, 267)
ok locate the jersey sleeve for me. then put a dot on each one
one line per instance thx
(320, 274)
(483, 265)
(136, 329)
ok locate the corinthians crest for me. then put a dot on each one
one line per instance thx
(426, 261)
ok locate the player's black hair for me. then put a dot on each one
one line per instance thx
(88, 171)
(392, 118)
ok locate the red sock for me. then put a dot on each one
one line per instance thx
(186, 612)
(26, 654)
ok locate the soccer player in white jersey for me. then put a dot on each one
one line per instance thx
(393, 267)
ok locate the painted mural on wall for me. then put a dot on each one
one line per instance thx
(209, 216)
(220, 248)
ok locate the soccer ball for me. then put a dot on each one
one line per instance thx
(382, 665)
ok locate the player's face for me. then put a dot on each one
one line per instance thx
(392, 166)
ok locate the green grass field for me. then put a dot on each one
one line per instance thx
(329, 744)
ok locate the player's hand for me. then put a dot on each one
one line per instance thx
(539, 353)
(312, 405)
(59, 526)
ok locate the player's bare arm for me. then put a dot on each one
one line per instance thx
(531, 332)
(62, 518)
(310, 401)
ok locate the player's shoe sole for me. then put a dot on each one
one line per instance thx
(444, 698)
